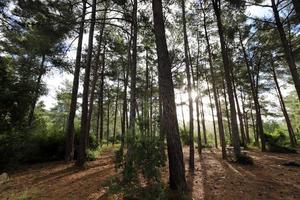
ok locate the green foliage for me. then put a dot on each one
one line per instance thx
(145, 158)
(184, 135)
(275, 143)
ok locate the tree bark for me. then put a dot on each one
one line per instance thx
(116, 113)
(36, 92)
(177, 179)
(287, 49)
(84, 116)
(228, 78)
(70, 135)
(283, 108)
(254, 91)
(189, 88)
(95, 71)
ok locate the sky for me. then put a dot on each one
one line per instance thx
(55, 79)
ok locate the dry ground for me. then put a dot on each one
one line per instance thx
(213, 179)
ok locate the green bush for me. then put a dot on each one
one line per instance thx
(147, 160)
(276, 143)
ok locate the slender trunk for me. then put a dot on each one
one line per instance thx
(169, 119)
(107, 117)
(84, 116)
(212, 73)
(287, 49)
(228, 78)
(95, 71)
(240, 116)
(227, 111)
(182, 114)
(116, 113)
(197, 99)
(212, 113)
(203, 120)
(283, 108)
(189, 88)
(254, 89)
(36, 92)
(70, 135)
(245, 117)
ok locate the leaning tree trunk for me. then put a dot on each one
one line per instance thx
(287, 49)
(283, 108)
(85, 96)
(228, 78)
(254, 87)
(70, 135)
(166, 89)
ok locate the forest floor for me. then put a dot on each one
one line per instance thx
(213, 179)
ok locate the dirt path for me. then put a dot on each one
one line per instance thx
(213, 179)
(60, 181)
(268, 179)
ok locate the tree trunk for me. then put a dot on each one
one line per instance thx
(212, 73)
(189, 88)
(36, 92)
(240, 116)
(170, 124)
(95, 71)
(228, 78)
(227, 111)
(212, 113)
(70, 135)
(283, 108)
(107, 117)
(84, 116)
(116, 113)
(287, 50)
(254, 91)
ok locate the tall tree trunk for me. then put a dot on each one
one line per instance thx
(189, 88)
(70, 135)
(84, 116)
(254, 89)
(116, 113)
(228, 78)
(245, 117)
(99, 127)
(36, 92)
(170, 124)
(283, 108)
(199, 139)
(203, 119)
(124, 109)
(108, 117)
(95, 70)
(227, 111)
(212, 73)
(240, 116)
(212, 113)
(133, 104)
(287, 49)
(182, 114)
